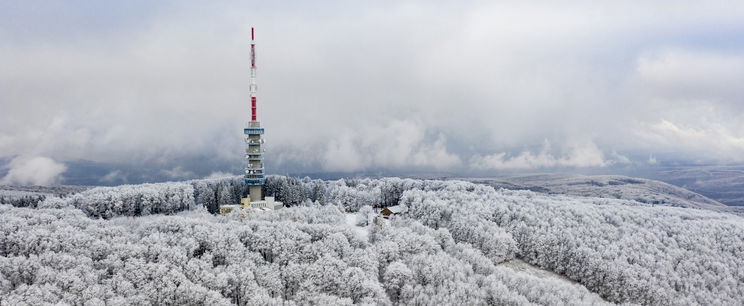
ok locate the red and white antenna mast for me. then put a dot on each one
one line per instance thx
(254, 168)
(253, 76)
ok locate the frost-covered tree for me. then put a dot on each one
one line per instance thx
(456, 243)
(364, 215)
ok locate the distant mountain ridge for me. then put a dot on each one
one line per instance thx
(606, 186)
(722, 183)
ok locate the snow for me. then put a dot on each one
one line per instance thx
(519, 266)
(456, 243)
(350, 219)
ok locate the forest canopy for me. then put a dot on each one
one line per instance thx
(455, 243)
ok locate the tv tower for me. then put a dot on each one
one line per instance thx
(254, 168)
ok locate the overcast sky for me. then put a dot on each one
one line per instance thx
(431, 86)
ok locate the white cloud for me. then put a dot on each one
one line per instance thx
(586, 155)
(178, 173)
(35, 170)
(341, 154)
(399, 144)
(652, 160)
(714, 140)
(693, 75)
(113, 177)
(618, 158)
(436, 156)
(219, 174)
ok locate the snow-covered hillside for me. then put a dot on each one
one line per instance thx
(30, 196)
(606, 186)
(458, 243)
(722, 183)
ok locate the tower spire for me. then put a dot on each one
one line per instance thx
(253, 86)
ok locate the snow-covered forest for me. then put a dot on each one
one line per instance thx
(456, 243)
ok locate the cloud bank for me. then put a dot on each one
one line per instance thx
(398, 144)
(413, 85)
(36, 170)
(587, 155)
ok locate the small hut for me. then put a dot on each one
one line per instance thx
(391, 211)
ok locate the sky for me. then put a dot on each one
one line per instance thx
(103, 92)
